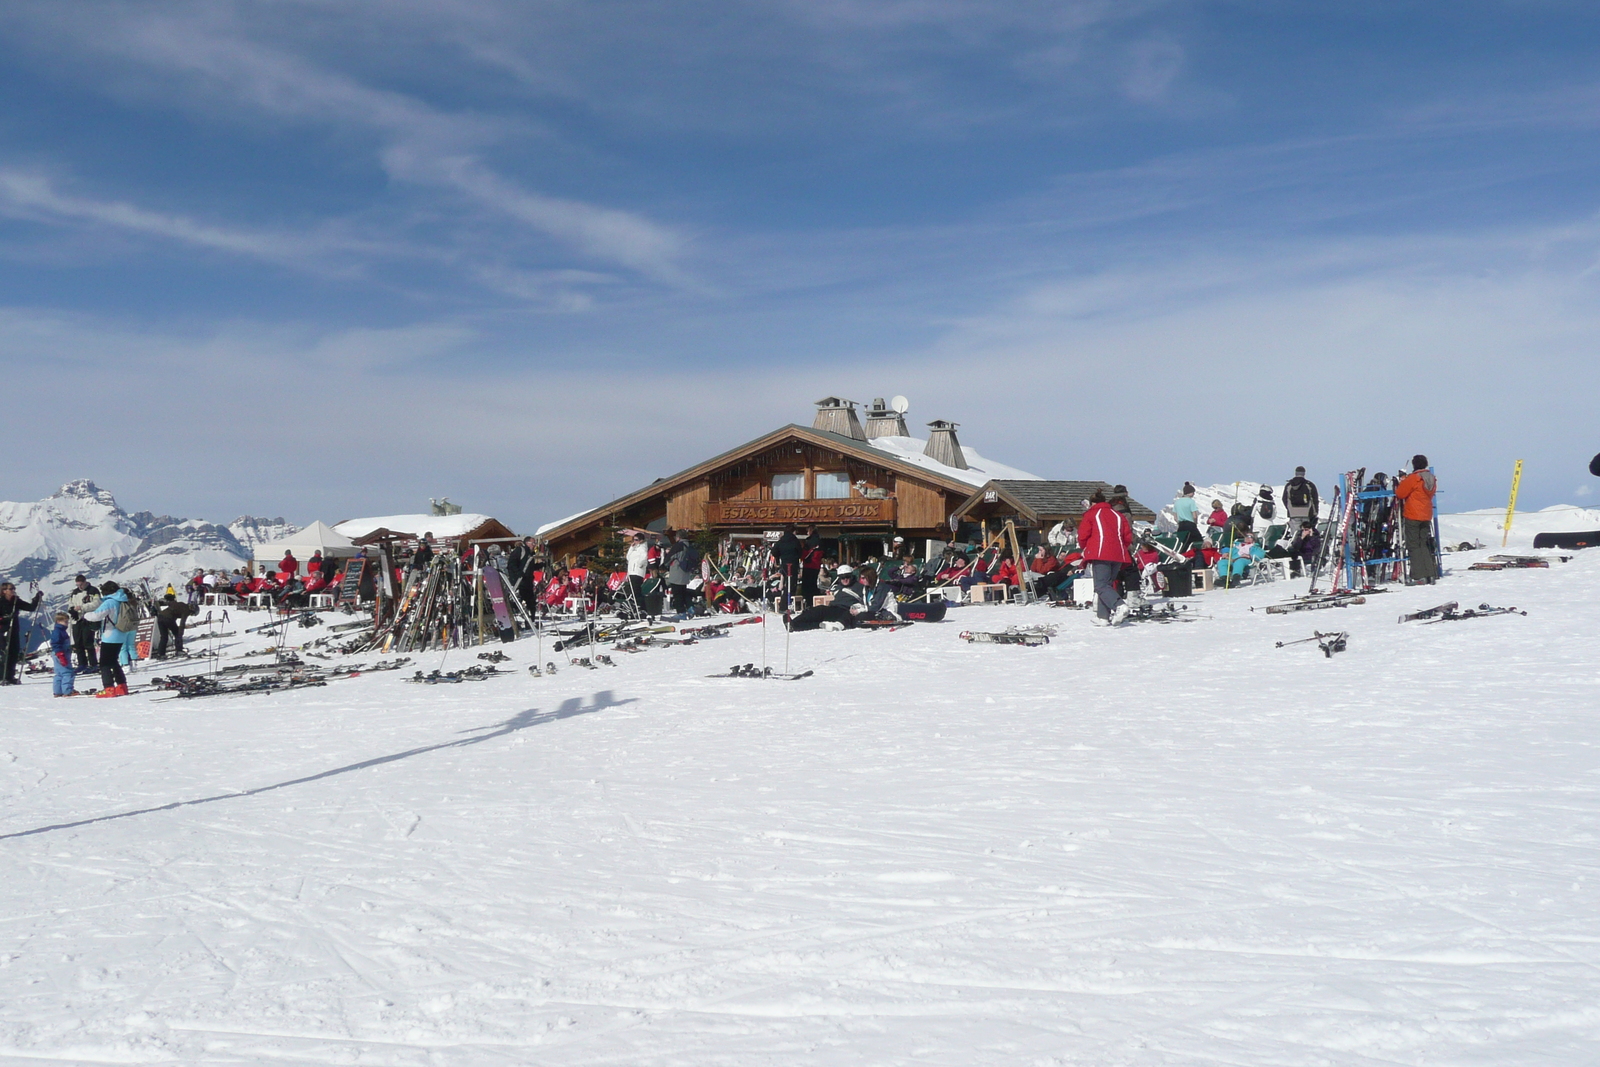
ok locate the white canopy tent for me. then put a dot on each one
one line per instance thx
(318, 537)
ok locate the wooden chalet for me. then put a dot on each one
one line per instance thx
(860, 486)
(1035, 504)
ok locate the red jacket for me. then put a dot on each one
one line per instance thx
(289, 563)
(1105, 534)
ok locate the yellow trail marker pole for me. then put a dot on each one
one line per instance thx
(1511, 508)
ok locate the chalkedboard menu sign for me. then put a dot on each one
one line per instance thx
(350, 588)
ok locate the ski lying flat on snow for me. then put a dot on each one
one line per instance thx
(1028, 639)
(1483, 611)
(1315, 605)
(750, 670)
(1428, 613)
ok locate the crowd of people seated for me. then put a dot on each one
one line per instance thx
(292, 584)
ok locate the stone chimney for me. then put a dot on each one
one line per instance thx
(943, 446)
(837, 415)
(884, 421)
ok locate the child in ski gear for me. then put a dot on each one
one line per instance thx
(11, 609)
(1104, 535)
(1300, 498)
(1416, 492)
(114, 607)
(61, 655)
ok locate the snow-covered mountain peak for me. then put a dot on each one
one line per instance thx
(84, 489)
(81, 527)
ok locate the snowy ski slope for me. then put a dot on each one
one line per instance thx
(1157, 845)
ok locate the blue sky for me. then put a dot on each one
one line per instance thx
(333, 258)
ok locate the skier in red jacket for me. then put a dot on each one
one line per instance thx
(1105, 535)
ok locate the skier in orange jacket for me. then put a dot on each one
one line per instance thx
(1416, 491)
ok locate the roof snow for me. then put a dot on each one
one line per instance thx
(445, 526)
(979, 470)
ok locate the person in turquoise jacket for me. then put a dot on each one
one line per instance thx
(1235, 564)
(114, 643)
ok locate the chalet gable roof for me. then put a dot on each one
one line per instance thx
(881, 452)
(1046, 499)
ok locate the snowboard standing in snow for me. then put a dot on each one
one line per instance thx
(494, 586)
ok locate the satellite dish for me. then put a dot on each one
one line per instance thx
(900, 404)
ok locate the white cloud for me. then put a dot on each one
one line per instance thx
(418, 143)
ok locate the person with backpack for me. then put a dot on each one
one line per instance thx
(1266, 507)
(1416, 492)
(1300, 499)
(11, 609)
(683, 567)
(1105, 536)
(119, 626)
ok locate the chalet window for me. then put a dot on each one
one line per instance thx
(789, 486)
(833, 485)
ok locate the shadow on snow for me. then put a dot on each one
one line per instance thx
(521, 721)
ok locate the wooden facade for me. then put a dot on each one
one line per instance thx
(796, 476)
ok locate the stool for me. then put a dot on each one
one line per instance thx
(821, 601)
(948, 592)
(218, 600)
(1083, 592)
(1205, 579)
(319, 600)
(258, 600)
(989, 592)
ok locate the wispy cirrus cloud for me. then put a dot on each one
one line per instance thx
(417, 143)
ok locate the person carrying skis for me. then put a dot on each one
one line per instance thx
(114, 608)
(11, 609)
(63, 683)
(1300, 499)
(85, 639)
(1104, 535)
(1416, 492)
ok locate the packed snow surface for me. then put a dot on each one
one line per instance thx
(1158, 844)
